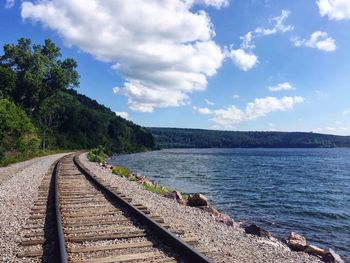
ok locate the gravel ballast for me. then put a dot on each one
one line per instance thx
(231, 244)
(18, 191)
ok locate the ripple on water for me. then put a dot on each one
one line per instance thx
(283, 190)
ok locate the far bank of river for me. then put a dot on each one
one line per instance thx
(282, 190)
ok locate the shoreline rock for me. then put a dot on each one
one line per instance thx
(226, 243)
(331, 257)
(295, 241)
(257, 231)
(298, 243)
(198, 200)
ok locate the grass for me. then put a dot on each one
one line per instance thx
(97, 155)
(122, 171)
(21, 157)
(155, 188)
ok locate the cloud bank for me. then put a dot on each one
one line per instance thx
(334, 9)
(228, 117)
(162, 49)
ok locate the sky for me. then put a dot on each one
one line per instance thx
(262, 65)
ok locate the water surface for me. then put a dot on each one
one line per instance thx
(282, 190)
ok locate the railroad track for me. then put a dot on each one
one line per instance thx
(80, 218)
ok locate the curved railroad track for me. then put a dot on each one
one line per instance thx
(79, 218)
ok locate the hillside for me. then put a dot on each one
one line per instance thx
(79, 122)
(197, 138)
(40, 109)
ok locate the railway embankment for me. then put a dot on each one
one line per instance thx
(228, 243)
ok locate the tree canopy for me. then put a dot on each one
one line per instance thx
(197, 138)
(32, 73)
(38, 103)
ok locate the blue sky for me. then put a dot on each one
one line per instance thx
(213, 64)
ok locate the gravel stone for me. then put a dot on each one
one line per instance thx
(229, 244)
(18, 191)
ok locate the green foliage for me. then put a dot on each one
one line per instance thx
(122, 171)
(7, 82)
(6, 160)
(36, 71)
(196, 138)
(40, 83)
(76, 121)
(97, 155)
(155, 188)
(2, 152)
(17, 133)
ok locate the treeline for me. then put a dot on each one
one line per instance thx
(40, 109)
(197, 138)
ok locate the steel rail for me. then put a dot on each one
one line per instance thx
(60, 234)
(179, 246)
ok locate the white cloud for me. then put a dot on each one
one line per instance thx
(9, 3)
(272, 126)
(318, 39)
(242, 59)
(163, 49)
(122, 114)
(203, 110)
(320, 93)
(278, 27)
(236, 96)
(230, 116)
(346, 112)
(209, 102)
(334, 9)
(247, 41)
(215, 3)
(281, 86)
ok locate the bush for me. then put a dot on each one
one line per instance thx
(122, 171)
(2, 153)
(97, 155)
(17, 133)
(155, 188)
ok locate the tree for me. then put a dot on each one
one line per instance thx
(7, 82)
(39, 72)
(17, 133)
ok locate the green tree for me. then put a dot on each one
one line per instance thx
(39, 73)
(7, 82)
(17, 133)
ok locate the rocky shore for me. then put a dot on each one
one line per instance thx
(227, 238)
(231, 240)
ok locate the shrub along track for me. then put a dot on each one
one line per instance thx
(80, 218)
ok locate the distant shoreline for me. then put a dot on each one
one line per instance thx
(197, 138)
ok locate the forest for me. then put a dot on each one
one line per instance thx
(197, 138)
(40, 109)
